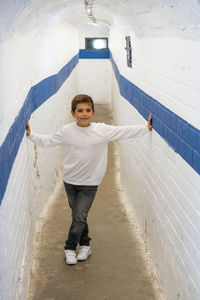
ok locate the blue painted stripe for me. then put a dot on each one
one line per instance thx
(37, 95)
(94, 54)
(180, 135)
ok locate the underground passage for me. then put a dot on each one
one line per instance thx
(139, 63)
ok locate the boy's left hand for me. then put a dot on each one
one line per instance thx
(28, 129)
(149, 123)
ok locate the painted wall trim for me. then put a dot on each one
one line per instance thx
(94, 54)
(180, 135)
(37, 95)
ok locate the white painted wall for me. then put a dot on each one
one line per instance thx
(165, 68)
(94, 74)
(95, 79)
(162, 188)
(89, 30)
(26, 60)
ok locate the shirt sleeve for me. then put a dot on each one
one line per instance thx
(124, 132)
(47, 141)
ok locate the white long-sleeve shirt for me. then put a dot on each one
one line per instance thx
(86, 148)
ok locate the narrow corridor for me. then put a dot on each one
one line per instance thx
(115, 270)
(141, 58)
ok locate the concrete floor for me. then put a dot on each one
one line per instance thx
(116, 270)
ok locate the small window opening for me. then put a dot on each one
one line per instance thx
(96, 43)
(128, 49)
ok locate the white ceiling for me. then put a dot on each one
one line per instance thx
(144, 17)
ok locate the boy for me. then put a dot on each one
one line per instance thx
(85, 144)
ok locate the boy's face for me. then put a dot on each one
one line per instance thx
(83, 114)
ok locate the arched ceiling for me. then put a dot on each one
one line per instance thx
(144, 17)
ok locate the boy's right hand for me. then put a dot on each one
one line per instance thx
(28, 129)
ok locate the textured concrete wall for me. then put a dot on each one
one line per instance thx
(163, 189)
(26, 60)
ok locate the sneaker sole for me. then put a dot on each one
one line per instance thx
(71, 264)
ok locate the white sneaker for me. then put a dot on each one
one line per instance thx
(84, 252)
(70, 257)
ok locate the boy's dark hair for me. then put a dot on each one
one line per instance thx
(81, 99)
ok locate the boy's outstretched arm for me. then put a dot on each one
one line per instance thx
(28, 128)
(149, 122)
(45, 141)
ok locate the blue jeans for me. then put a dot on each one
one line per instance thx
(80, 199)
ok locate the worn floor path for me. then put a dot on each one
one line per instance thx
(116, 270)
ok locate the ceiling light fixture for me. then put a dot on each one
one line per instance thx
(89, 4)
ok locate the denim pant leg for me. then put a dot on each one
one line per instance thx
(85, 239)
(80, 200)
